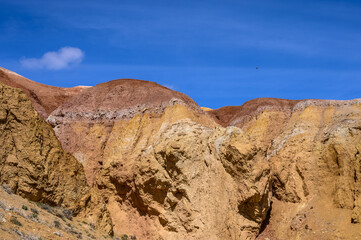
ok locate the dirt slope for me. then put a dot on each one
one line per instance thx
(21, 219)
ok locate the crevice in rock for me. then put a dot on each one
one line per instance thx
(252, 207)
(304, 186)
(277, 187)
(4, 116)
(338, 164)
(14, 117)
(355, 176)
(266, 221)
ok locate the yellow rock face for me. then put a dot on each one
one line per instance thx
(315, 167)
(173, 175)
(284, 173)
(33, 163)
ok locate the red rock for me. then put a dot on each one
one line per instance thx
(120, 99)
(228, 116)
(44, 98)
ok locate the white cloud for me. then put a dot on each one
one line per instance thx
(63, 58)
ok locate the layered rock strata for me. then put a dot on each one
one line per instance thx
(160, 168)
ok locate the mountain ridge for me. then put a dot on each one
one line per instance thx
(160, 167)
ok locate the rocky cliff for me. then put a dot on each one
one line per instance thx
(161, 167)
(313, 153)
(33, 163)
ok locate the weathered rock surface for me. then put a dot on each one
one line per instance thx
(138, 175)
(44, 98)
(160, 168)
(33, 163)
(84, 123)
(313, 153)
(186, 185)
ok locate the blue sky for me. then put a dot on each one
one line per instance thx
(208, 50)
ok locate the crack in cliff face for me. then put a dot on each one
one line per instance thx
(304, 184)
(254, 208)
(266, 221)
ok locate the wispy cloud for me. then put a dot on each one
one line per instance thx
(63, 58)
